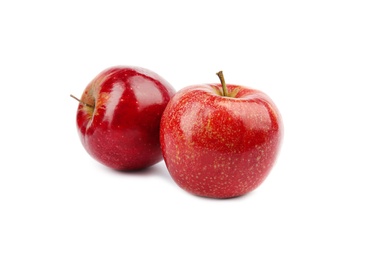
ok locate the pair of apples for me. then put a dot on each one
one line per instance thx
(217, 140)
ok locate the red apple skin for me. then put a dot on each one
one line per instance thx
(121, 131)
(220, 147)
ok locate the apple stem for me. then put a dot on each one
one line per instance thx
(222, 79)
(83, 103)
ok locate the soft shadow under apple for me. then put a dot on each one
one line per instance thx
(157, 170)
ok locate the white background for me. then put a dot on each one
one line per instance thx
(310, 57)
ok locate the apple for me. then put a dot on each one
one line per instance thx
(220, 140)
(118, 117)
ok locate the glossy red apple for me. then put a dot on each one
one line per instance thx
(119, 115)
(220, 140)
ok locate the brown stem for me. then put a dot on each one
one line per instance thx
(80, 101)
(222, 79)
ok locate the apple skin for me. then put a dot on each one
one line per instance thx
(121, 130)
(219, 146)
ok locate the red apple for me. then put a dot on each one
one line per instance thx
(220, 140)
(118, 118)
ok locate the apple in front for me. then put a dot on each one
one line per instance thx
(220, 140)
(118, 118)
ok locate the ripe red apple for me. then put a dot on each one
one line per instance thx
(220, 140)
(118, 118)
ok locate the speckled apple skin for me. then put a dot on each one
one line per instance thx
(220, 147)
(122, 131)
